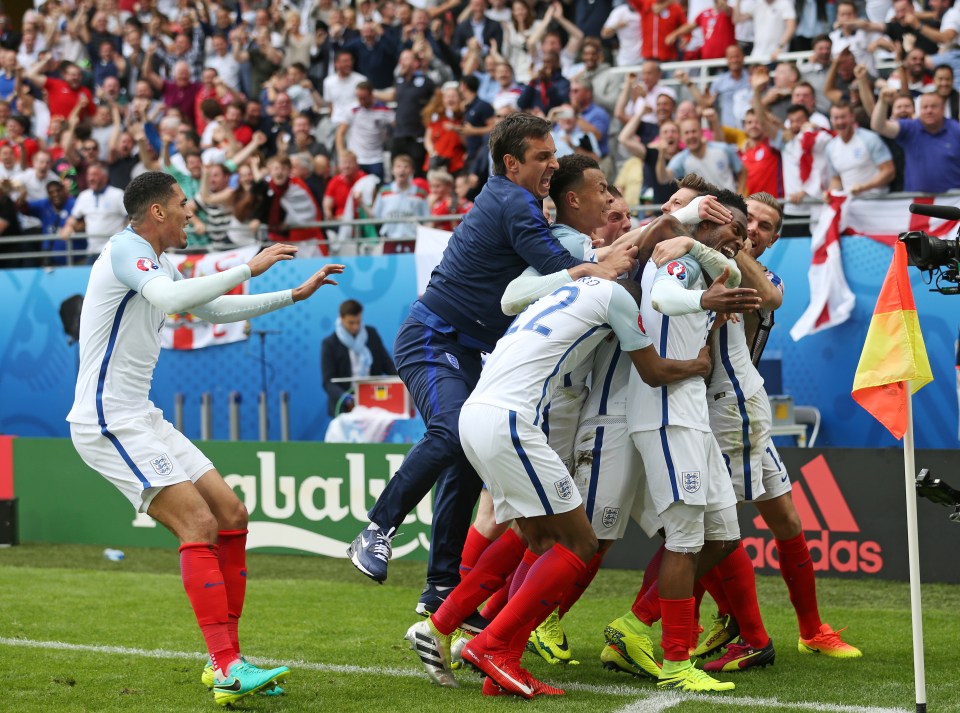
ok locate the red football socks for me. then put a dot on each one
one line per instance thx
(796, 568)
(498, 600)
(676, 624)
(233, 566)
(739, 583)
(472, 549)
(648, 607)
(540, 594)
(651, 573)
(520, 573)
(487, 576)
(574, 593)
(204, 584)
(711, 581)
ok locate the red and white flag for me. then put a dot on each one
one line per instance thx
(831, 300)
(184, 331)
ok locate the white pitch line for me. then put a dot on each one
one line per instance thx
(646, 701)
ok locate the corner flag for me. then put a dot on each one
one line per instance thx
(893, 352)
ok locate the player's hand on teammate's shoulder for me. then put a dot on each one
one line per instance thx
(671, 249)
(270, 256)
(317, 280)
(720, 298)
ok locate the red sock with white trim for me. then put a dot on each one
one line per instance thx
(796, 568)
(204, 585)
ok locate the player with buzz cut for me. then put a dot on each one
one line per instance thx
(500, 430)
(119, 433)
(740, 417)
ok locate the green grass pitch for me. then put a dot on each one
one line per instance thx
(78, 633)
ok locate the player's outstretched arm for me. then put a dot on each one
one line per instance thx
(657, 371)
(712, 261)
(720, 298)
(270, 256)
(316, 281)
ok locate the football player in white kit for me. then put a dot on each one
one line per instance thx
(687, 483)
(740, 417)
(122, 435)
(500, 431)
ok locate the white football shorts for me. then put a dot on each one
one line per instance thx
(140, 456)
(523, 474)
(684, 464)
(607, 475)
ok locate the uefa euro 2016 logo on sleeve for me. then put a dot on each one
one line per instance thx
(145, 264)
(677, 269)
(690, 480)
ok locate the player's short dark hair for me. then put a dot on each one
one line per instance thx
(511, 136)
(731, 200)
(570, 175)
(350, 308)
(145, 190)
(633, 288)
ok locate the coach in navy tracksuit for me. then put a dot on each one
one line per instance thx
(438, 347)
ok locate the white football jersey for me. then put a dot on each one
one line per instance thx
(682, 403)
(119, 332)
(550, 338)
(733, 369)
(610, 380)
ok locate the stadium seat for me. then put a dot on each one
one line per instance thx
(809, 416)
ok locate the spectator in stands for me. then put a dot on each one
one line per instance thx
(715, 162)
(658, 20)
(815, 71)
(931, 143)
(302, 138)
(100, 207)
(812, 22)
(516, 37)
(352, 351)
(365, 130)
(443, 139)
(442, 199)
(180, 94)
(339, 88)
(375, 54)
(858, 162)
(725, 86)
(623, 22)
(64, 94)
(213, 201)
(508, 90)
(401, 198)
(338, 189)
(53, 211)
(568, 136)
(8, 74)
(546, 39)
(774, 22)
(804, 166)
(10, 226)
(285, 205)
(847, 36)
(904, 24)
(35, 180)
(591, 118)
(943, 84)
(223, 58)
(477, 25)
(412, 91)
(547, 90)
(805, 94)
(776, 99)
(762, 163)
(642, 96)
(477, 117)
(716, 27)
(912, 74)
(591, 62)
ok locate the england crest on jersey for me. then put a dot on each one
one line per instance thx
(162, 464)
(564, 488)
(690, 480)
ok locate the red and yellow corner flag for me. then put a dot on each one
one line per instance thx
(893, 352)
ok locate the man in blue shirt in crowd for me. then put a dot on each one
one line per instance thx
(438, 347)
(53, 212)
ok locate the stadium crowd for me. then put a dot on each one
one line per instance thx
(273, 114)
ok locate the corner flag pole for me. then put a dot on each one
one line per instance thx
(913, 547)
